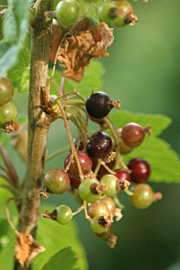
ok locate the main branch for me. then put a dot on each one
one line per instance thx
(38, 123)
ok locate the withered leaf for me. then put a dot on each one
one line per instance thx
(26, 249)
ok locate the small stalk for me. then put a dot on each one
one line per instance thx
(79, 210)
(73, 149)
(57, 153)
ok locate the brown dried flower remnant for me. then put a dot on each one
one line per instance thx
(76, 50)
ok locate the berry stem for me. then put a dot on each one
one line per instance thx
(57, 153)
(128, 192)
(97, 167)
(62, 86)
(118, 202)
(79, 210)
(73, 149)
(85, 211)
(107, 168)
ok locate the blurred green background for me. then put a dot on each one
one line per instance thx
(143, 71)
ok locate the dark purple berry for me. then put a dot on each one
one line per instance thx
(99, 145)
(98, 105)
(122, 175)
(140, 170)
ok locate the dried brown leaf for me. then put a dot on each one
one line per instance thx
(76, 50)
(26, 249)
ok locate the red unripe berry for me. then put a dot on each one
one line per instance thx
(84, 161)
(122, 175)
(56, 181)
(140, 170)
(133, 134)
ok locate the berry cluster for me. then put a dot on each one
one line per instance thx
(94, 171)
(117, 13)
(8, 111)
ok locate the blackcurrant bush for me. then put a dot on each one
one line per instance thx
(63, 214)
(122, 175)
(109, 202)
(67, 11)
(98, 105)
(99, 145)
(56, 181)
(98, 225)
(87, 190)
(84, 160)
(8, 112)
(6, 91)
(140, 170)
(97, 209)
(133, 135)
(111, 182)
(142, 197)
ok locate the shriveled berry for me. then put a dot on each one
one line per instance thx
(98, 105)
(133, 134)
(140, 170)
(99, 145)
(84, 160)
(56, 181)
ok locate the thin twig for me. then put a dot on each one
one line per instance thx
(8, 215)
(57, 153)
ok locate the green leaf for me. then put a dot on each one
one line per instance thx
(91, 80)
(158, 122)
(19, 74)
(8, 56)
(64, 259)
(4, 226)
(53, 237)
(15, 23)
(164, 161)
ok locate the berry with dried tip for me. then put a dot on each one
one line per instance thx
(111, 182)
(98, 225)
(84, 160)
(98, 105)
(122, 175)
(56, 181)
(133, 135)
(88, 190)
(142, 197)
(8, 113)
(67, 12)
(6, 91)
(140, 170)
(99, 145)
(118, 13)
(63, 214)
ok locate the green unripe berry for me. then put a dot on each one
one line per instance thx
(6, 91)
(97, 209)
(67, 12)
(142, 197)
(96, 225)
(8, 112)
(111, 182)
(56, 181)
(85, 190)
(63, 214)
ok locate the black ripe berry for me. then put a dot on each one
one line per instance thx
(140, 170)
(98, 105)
(99, 145)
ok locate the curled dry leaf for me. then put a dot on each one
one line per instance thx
(79, 47)
(26, 249)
